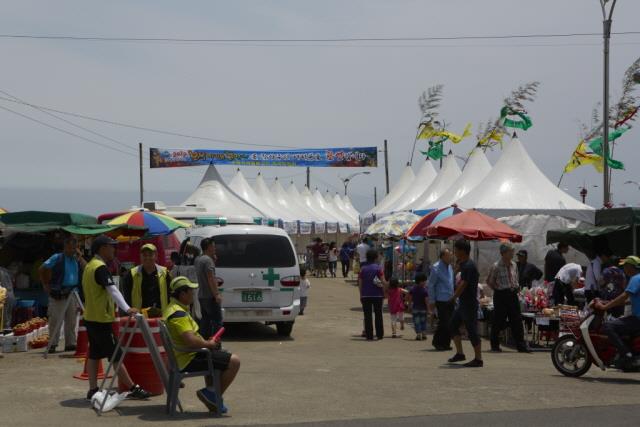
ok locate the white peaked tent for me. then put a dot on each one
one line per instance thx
(285, 203)
(312, 203)
(295, 196)
(344, 210)
(403, 184)
(449, 173)
(242, 188)
(262, 191)
(349, 207)
(214, 197)
(423, 180)
(476, 169)
(515, 186)
(328, 204)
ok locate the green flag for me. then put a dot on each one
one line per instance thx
(596, 146)
(435, 151)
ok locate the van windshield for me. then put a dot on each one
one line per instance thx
(253, 251)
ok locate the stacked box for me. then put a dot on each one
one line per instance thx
(13, 344)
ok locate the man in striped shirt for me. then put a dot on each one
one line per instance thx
(503, 279)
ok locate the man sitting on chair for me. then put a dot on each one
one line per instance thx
(183, 330)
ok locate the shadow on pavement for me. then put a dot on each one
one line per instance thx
(451, 366)
(250, 332)
(621, 381)
(157, 413)
(75, 403)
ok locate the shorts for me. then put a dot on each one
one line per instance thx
(102, 340)
(199, 362)
(469, 317)
(397, 317)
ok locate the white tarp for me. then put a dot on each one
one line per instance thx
(312, 203)
(403, 184)
(348, 206)
(328, 202)
(296, 200)
(534, 236)
(344, 211)
(422, 181)
(449, 173)
(283, 200)
(476, 169)
(515, 186)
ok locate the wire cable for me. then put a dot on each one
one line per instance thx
(147, 129)
(306, 40)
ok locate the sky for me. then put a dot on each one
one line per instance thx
(299, 95)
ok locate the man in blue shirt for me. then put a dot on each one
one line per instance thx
(60, 275)
(629, 325)
(440, 291)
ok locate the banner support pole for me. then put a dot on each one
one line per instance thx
(141, 176)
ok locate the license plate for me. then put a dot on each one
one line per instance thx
(251, 296)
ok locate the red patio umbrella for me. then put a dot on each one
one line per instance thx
(419, 228)
(473, 225)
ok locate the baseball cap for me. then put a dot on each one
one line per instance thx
(181, 282)
(101, 241)
(505, 247)
(149, 246)
(631, 260)
(522, 252)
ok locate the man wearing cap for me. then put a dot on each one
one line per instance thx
(628, 325)
(147, 284)
(100, 293)
(60, 275)
(527, 272)
(183, 330)
(503, 279)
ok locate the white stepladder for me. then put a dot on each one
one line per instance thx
(56, 330)
(142, 326)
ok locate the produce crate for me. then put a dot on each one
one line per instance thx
(15, 344)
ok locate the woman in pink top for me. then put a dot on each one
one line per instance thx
(396, 305)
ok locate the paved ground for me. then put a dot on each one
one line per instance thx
(327, 373)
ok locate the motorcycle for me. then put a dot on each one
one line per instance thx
(586, 343)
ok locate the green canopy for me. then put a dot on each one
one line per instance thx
(42, 222)
(617, 238)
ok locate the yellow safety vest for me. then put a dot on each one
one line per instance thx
(136, 289)
(98, 305)
(177, 326)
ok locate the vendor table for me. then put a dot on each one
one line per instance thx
(543, 328)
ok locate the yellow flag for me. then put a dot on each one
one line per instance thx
(495, 135)
(582, 156)
(429, 132)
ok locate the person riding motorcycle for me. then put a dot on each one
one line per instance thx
(628, 325)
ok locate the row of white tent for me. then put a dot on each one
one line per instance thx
(513, 186)
(239, 199)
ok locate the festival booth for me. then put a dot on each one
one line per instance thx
(517, 193)
(447, 176)
(388, 203)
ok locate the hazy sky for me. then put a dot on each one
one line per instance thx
(286, 94)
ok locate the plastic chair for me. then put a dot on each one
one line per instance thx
(176, 376)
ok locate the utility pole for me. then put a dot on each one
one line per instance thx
(375, 196)
(606, 33)
(308, 177)
(141, 176)
(386, 165)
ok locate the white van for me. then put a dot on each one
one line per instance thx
(260, 270)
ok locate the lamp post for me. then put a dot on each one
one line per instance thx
(584, 192)
(606, 33)
(347, 180)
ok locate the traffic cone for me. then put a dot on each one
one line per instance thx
(84, 375)
(82, 341)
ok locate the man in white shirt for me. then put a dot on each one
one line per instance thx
(593, 276)
(361, 250)
(565, 282)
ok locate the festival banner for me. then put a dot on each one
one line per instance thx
(352, 157)
(332, 227)
(305, 227)
(320, 227)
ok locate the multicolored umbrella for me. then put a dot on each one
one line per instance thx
(419, 229)
(394, 226)
(156, 224)
(2, 211)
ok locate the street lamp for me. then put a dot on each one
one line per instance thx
(347, 180)
(606, 33)
(583, 192)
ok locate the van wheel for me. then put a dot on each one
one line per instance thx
(284, 328)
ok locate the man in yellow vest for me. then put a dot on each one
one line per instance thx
(147, 284)
(100, 292)
(184, 335)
